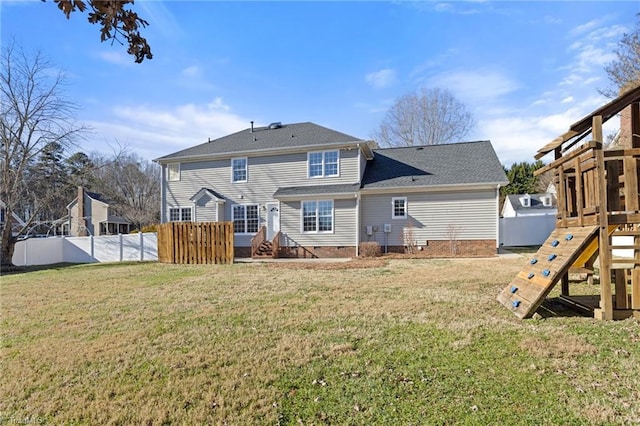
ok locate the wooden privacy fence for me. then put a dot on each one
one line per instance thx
(195, 242)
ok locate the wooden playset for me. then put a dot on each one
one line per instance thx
(598, 196)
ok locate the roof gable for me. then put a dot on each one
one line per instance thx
(434, 165)
(286, 136)
(215, 197)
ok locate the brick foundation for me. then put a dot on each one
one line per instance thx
(432, 248)
(315, 252)
(443, 248)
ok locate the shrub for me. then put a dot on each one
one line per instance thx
(370, 249)
(150, 228)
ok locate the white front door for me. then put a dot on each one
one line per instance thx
(273, 220)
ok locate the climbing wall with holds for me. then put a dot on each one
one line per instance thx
(546, 268)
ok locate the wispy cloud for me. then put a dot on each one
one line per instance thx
(116, 57)
(477, 85)
(155, 131)
(162, 18)
(194, 77)
(382, 78)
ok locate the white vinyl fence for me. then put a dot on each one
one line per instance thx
(113, 248)
(526, 230)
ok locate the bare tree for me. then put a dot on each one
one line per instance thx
(132, 186)
(426, 117)
(624, 72)
(33, 114)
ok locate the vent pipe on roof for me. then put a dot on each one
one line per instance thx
(251, 131)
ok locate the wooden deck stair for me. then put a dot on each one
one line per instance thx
(265, 249)
(564, 248)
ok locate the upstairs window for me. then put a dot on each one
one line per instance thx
(323, 164)
(180, 214)
(173, 172)
(238, 170)
(399, 207)
(245, 218)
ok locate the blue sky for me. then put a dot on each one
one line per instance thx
(526, 70)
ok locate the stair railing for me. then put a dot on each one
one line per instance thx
(276, 246)
(258, 239)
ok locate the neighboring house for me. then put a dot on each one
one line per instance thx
(93, 216)
(322, 192)
(528, 219)
(16, 221)
(530, 205)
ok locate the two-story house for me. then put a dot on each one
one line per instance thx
(93, 216)
(322, 192)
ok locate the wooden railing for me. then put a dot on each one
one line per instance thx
(196, 242)
(622, 185)
(577, 176)
(276, 246)
(258, 239)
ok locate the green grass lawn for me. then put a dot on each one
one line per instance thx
(397, 342)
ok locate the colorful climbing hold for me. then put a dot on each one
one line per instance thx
(514, 289)
(555, 243)
(569, 237)
(515, 303)
(546, 272)
(533, 261)
(531, 275)
(551, 257)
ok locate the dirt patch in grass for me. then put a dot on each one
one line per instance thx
(557, 345)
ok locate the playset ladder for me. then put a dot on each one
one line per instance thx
(545, 269)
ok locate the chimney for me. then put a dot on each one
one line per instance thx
(251, 131)
(82, 225)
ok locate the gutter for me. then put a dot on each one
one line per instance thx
(258, 153)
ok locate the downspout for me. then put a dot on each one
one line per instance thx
(163, 197)
(497, 218)
(357, 224)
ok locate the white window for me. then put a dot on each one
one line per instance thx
(180, 214)
(245, 218)
(323, 164)
(317, 216)
(173, 171)
(399, 207)
(239, 170)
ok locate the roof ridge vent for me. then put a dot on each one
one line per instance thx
(275, 125)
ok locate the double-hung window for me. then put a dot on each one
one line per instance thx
(239, 170)
(317, 216)
(323, 164)
(245, 218)
(180, 214)
(173, 172)
(399, 207)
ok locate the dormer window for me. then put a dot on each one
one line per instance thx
(525, 200)
(546, 200)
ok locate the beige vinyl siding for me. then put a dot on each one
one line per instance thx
(432, 216)
(206, 209)
(266, 175)
(344, 225)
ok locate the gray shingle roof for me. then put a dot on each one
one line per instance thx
(265, 138)
(536, 203)
(346, 188)
(449, 164)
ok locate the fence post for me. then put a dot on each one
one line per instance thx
(93, 254)
(141, 246)
(121, 248)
